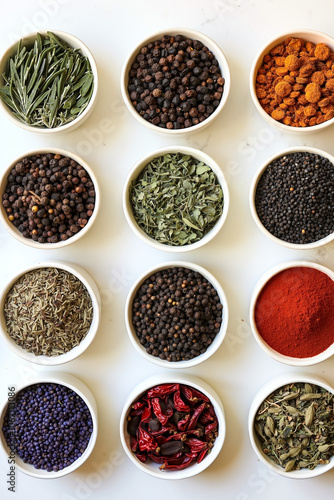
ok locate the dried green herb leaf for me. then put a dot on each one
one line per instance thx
(170, 199)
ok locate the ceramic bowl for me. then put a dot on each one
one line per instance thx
(194, 35)
(72, 41)
(289, 360)
(131, 330)
(13, 231)
(152, 468)
(82, 390)
(263, 393)
(308, 36)
(135, 172)
(93, 291)
(252, 194)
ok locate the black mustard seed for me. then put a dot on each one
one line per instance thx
(295, 198)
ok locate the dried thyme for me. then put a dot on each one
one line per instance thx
(295, 426)
(48, 84)
(176, 199)
(48, 311)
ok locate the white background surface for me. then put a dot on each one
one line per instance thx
(239, 140)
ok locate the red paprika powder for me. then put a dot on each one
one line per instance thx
(294, 312)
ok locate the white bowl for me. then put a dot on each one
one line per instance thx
(212, 347)
(71, 41)
(268, 388)
(194, 35)
(255, 181)
(82, 390)
(308, 36)
(136, 170)
(93, 291)
(28, 241)
(289, 360)
(152, 468)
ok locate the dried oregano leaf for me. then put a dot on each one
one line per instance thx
(176, 199)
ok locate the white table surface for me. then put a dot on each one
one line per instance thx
(239, 140)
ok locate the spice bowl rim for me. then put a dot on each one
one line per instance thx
(261, 283)
(263, 392)
(94, 294)
(189, 380)
(213, 347)
(13, 231)
(316, 37)
(139, 166)
(252, 193)
(76, 385)
(195, 35)
(73, 41)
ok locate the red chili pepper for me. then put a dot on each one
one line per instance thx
(163, 418)
(192, 394)
(179, 404)
(165, 428)
(160, 459)
(141, 456)
(186, 461)
(147, 413)
(138, 404)
(209, 428)
(180, 436)
(202, 455)
(146, 441)
(206, 417)
(133, 444)
(182, 424)
(196, 445)
(161, 390)
(195, 416)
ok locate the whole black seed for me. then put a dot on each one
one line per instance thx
(170, 315)
(295, 198)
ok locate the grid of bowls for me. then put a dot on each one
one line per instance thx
(200, 385)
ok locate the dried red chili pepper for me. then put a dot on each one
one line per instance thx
(179, 403)
(146, 441)
(167, 430)
(192, 394)
(196, 414)
(161, 390)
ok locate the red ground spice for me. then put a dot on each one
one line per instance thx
(294, 313)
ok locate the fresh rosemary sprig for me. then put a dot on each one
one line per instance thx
(49, 84)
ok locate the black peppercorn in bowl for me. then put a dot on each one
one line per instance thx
(292, 198)
(176, 199)
(172, 426)
(49, 198)
(176, 314)
(49, 425)
(176, 81)
(50, 312)
(58, 89)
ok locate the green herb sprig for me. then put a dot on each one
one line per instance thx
(49, 84)
(176, 199)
